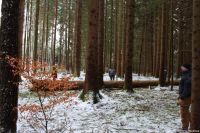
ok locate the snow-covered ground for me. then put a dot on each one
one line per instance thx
(144, 111)
(105, 77)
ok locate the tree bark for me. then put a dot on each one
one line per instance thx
(55, 29)
(9, 47)
(35, 53)
(100, 43)
(123, 64)
(129, 45)
(78, 37)
(171, 46)
(155, 25)
(26, 27)
(158, 42)
(163, 47)
(47, 34)
(91, 79)
(195, 117)
(29, 42)
(69, 44)
(141, 50)
(180, 40)
(43, 34)
(116, 34)
(111, 37)
(21, 25)
(119, 36)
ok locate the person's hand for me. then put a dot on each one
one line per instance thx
(178, 101)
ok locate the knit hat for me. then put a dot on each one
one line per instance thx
(187, 66)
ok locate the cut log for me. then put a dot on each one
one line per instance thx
(78, 85)
(136, 84)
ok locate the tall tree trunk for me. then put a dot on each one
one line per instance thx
(116, 34)
(43, 33)
(61, 40)
(123, 41)
(29, 42)
(61, 45)
(91, 80)
(155, 43)
(105, 37)
(141, 50)
(73, 43)
(35, 55)
(9, 46)
(47, 34)
(119, 36)
(163, 47)
(158, 42)
(100, 43)
(145, 43)
(150, 47)
(25, 43)
(111, 37)
(67, 35)
(196, 67)
(66, 47)
(78, 37)
(171, 46)
(21, 25)
(129, 45)
(180, 40)
(55, 29)
(69, 65)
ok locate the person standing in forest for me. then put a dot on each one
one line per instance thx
(184, 98)
(54, 72)
(112, 73)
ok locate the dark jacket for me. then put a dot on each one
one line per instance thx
(111, 72)
(185, 85)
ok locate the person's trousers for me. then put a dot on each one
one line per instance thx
(112, 77)
(185, 112)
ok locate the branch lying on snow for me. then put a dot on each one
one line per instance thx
(78, 85)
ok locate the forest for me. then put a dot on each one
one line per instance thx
(105, 66)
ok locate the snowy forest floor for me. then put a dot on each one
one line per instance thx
(145, 111)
